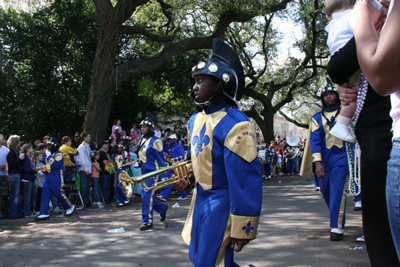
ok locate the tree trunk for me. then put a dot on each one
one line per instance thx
(102, 88)
(267, 127)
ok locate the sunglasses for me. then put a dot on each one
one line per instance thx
(2, 138)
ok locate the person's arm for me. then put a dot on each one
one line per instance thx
(244, 183)
(343, 63)
(379, 56)
(13, 160)
(28, 166)
(97, 166)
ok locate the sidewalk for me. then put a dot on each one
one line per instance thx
(293, 231)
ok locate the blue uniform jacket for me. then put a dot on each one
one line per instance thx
(151, 154)
(326, 148)
(223, 151)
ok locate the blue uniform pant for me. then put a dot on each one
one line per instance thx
(167, 191)
(290, 166)
(53, 185)
(268, 168)
(150, 203)
(209, 246)
(334, 192)
(120, 193)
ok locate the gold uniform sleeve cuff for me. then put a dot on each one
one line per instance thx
(241, 141)
(316, 157)
(244, 227)
(157, 145)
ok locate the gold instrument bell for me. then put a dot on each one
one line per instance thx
(110, 164)
(183, 170)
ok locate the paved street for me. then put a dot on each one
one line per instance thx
(293, 231)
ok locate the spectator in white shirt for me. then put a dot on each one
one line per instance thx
(3, 172)
(85, 170)
(158, 132)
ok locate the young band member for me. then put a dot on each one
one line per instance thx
(226, 203)
(151, 158)
(176, 152)
(53, 184)
(330, 159)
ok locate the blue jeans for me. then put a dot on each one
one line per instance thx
(393, 193)
(29, 197)
(95, 190)
(105, 182)
(85, 187)
(15, 200)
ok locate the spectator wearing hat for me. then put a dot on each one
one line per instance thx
(85, 170)
(4, 184)
(176, 152)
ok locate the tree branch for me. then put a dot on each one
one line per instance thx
(303, 125)
(153, 37)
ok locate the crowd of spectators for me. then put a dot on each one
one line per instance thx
(86, 169)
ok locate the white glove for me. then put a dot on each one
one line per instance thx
(136, 165)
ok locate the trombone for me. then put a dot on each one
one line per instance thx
(183, 170)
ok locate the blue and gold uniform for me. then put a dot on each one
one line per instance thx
(119, 160)
(53, 184)
(151, 158)
(177, 152)
(289, 153)
(227, 199)
(331, 152)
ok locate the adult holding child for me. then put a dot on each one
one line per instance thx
(378, 56)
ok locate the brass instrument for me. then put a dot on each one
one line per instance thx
(43, 169)
(110, 164)
(183, 170)
(130, 163)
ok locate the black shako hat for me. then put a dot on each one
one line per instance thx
(224, 64)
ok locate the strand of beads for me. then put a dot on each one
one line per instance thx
(355, 165)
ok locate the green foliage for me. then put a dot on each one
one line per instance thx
(164, 93)
(45, 73)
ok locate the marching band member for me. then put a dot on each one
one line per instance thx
(330, 160)
(226, 203)
(151, 158)
(289, 154)
(54, 182)
(120, 161)
(176, 152)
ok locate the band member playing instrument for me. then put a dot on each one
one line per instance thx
(53, 183)
(176, 152)
(120, 161)
(151, 158)
(290, 155)
(226, 203)
(329, 158)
